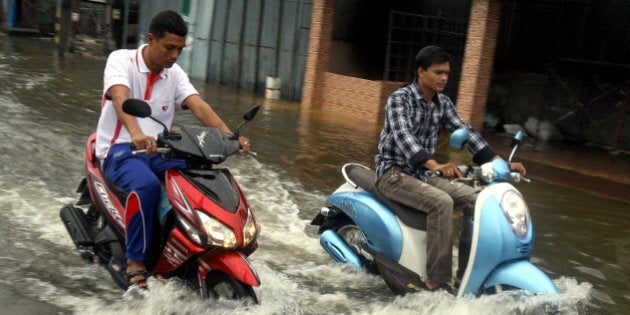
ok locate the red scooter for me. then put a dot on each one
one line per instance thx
(206, 228)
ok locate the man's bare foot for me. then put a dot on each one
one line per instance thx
(430, 285)
(435, 286)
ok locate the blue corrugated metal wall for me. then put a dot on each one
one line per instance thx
(150, 8)
(251, 40)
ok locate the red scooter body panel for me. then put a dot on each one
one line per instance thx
(106, 200)
(176, 252)
(232, 263)
(185, 198)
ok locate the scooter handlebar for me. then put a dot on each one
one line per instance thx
(159, 151)
(474, 173)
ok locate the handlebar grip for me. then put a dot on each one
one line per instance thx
(251, 153)
(517, 177)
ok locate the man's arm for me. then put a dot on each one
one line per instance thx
(204, 113)
(119, 94)
(477, 145)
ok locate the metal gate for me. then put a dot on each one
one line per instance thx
(408, 33)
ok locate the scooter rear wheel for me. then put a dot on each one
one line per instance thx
(221, 285)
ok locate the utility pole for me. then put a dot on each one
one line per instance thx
(125, 25)
(63, 25)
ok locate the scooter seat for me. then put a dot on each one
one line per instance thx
(366, 178)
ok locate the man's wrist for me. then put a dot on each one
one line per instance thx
(431, 164)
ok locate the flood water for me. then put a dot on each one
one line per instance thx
(49, 106)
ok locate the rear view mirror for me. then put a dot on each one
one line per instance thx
(247, 118)
(136, 107)
(459, 138)
(251, 113)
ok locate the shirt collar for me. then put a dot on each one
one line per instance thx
(142, 65)
(416, 90)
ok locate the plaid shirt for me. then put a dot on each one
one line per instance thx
(411, 131)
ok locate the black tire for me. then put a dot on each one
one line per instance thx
(350, 233)
(497, 289)
(221, 285)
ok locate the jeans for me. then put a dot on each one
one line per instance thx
(140, 174)
(438, 198)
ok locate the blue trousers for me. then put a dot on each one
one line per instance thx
(141, 175)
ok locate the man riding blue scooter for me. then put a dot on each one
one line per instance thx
(414, 116)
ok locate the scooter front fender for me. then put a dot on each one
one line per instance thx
(524, 275)
(338, 249)
(234, 264)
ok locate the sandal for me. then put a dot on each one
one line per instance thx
(141, 283)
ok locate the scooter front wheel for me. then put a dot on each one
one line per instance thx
(221, 285)
(353, 237)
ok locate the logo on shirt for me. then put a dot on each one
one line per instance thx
(164, 108)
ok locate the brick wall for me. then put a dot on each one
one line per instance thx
(333, 92)
(322, 20)
(355, 96)
(476, 74)
(366, 98)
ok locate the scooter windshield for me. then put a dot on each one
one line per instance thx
(207, 143)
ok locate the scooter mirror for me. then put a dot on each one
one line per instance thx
(139, 108)
(517, 139)
(136, 107)
(251, 113)
(459, 138)
(247, 118)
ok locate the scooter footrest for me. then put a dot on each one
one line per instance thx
(76, 223)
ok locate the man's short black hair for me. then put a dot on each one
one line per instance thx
(430, 55)
(168, 22)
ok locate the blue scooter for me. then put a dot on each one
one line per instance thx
(359, 226)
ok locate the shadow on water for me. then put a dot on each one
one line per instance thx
(50, 106)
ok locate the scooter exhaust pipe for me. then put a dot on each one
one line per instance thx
(76, 223)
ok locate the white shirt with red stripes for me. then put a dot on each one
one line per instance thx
(164, 92)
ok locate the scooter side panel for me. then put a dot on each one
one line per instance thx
(483, 257)
(377, 223)
(414, 250)
(524, 275)
(177, 250)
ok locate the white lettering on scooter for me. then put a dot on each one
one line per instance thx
(102, 192)
(348, 207)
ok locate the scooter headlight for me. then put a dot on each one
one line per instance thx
(516, 212)
(250, 230)
(217, 233)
